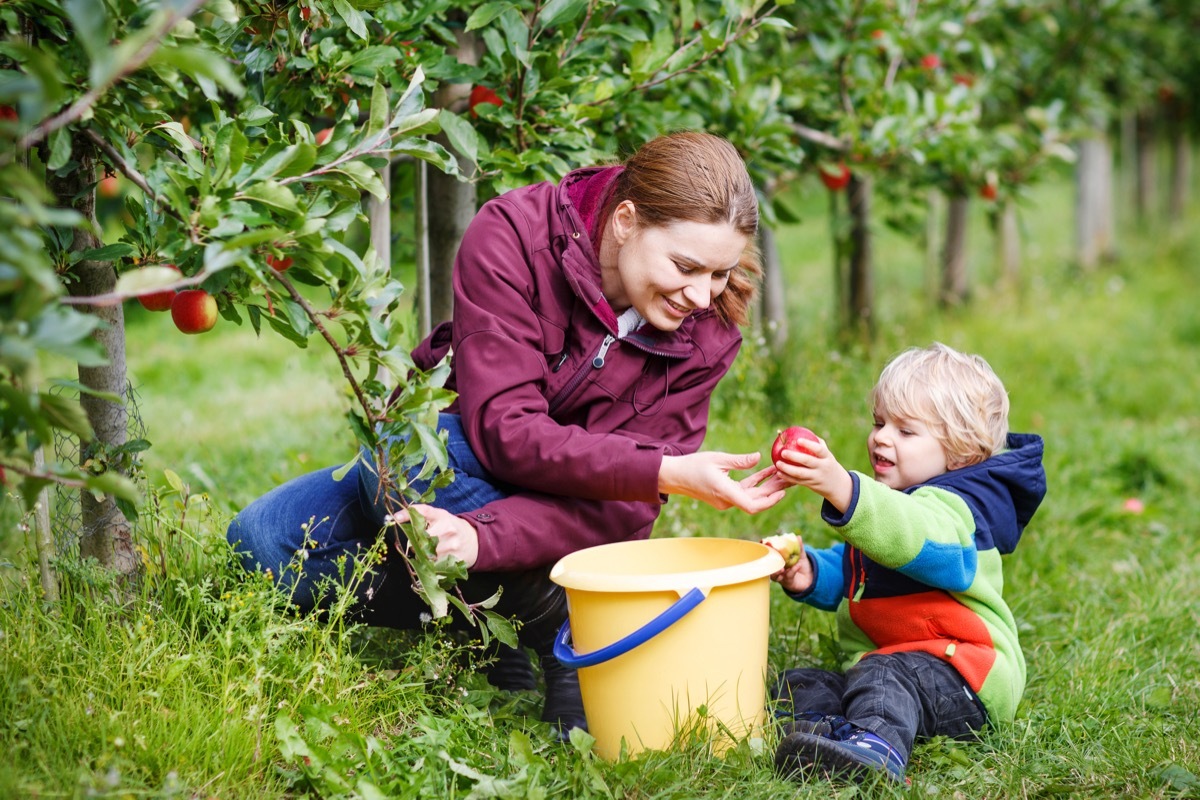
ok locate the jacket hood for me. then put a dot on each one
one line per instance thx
(1003, 492)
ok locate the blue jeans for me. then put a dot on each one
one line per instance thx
(340, 520)
(898, 697)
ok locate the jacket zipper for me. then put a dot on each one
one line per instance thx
(596, 363)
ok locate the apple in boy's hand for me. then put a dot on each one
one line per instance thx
(787, 545)
(788, 439)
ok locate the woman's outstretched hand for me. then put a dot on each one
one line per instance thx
(705, 476)
(455, 536)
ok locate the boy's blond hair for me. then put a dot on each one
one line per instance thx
(956, 394)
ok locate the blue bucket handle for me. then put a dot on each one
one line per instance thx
(565, 652)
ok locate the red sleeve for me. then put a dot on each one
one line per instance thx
(530, 530)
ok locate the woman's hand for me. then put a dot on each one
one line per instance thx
(455, 536)
(705, 476)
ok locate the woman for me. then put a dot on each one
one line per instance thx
(593, 318)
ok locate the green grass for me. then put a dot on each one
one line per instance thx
(201, 686)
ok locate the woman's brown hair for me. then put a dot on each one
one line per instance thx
(691, 176)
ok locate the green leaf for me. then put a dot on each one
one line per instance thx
(146, 279)
(110, 252)
(463, 137)
(485, 14)
(66, 414)
(500, 627)
(351, 16)
(60, 148)
(556, 11)
(115, 484)
(274, 194)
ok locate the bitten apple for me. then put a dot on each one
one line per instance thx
(194, 311)
(159, 301)
(788, 439)
(787, 545)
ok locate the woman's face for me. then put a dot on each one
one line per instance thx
(668, 272)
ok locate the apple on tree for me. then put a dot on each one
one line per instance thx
(159, 301)
(787, 545)
(323, 136)
(194, 311)
(835, 177)
(788, 439)
(931, 61)
(482, 94)
(279, 263)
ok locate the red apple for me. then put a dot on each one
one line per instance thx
(323, 136)
(965, 80)
(482, 94)
(930, 61)
(789, 439)
(279, 263)
(787, 545)
(8, 114)
(305, 12)
(109, 186)
(835, 178)
(159, 301)
(194, 311)
(877, 33)
(988, 191)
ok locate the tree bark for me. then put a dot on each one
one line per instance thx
(450, 202)
(105, 534)
(1181, 161)
(955, 288)
(1095, 238)
(774, 292)
(861, 273)
(1009, 235)
(1146, 183)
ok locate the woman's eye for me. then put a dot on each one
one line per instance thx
(683, 270)
(723, 275)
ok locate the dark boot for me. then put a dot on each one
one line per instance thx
(543, 614)
(510, 669)
(538, 606)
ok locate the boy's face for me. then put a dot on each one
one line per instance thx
(904, 452)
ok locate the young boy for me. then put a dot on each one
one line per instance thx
(917, 584)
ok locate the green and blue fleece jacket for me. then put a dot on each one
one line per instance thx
(920, 570)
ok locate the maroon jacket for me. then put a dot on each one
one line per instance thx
(575, 420)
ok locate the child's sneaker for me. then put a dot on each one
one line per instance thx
(856, 754)
(814, 723)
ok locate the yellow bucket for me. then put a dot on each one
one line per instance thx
(662, 628)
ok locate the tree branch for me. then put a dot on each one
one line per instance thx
(79, 108)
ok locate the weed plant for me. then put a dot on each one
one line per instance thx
(202, 683)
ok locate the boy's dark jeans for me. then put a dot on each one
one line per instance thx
(898, 697)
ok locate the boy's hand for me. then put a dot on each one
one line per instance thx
(813, 465)
(798, 577)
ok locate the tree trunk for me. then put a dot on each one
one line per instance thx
(838, 236)
(1146, 184)
(1094, 231)
(450, 203)
(774, 294)
(955, 287)
(421, 222)
(105, 534)
(861, 277)
(1181, 161)
(933, 239)
(1008, 233)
